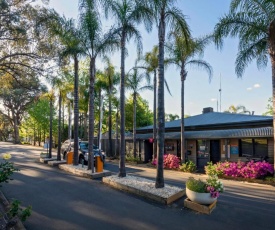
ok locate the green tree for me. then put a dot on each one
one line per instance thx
(68, 36)
(252, 21)
(96, 44)
(16, 99)
(111, 81)
(165, 14)
(151, 65)
(143, 113)
(184, 52)
(171, 117)
(269, 108)
(127, 14)
(237, 109)
(135, 83)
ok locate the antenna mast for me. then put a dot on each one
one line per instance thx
(220, 90)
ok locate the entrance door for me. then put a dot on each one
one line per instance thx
(215, 153)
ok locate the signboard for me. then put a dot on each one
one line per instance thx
(234, 149)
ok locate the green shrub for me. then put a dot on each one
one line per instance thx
(189, 166)
(131, 158)
(6, 170)
(16, 210)
(213, 169)
(195, 185)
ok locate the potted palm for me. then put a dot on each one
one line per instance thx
(202, 192)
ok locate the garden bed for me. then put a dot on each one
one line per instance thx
(250, 180)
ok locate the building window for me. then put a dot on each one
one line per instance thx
(253, 147)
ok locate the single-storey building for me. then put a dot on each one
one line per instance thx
(214, 136)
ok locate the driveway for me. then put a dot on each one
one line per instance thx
(64, 201)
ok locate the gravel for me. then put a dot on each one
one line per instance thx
(140, 183)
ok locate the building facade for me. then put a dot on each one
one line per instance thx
(214, 136)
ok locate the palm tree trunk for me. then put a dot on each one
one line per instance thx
(110, 147)
(51, 127)
(273, 94)
(100, 121)
(117, 144)
(155, 117)
(76, 111)
(63, 120)
(272, 58)
(161, 108)
(59, 128)
(182, 149)
(122, 170)
(91, 114)
(134, 123)
(69, 122)
(85, 123)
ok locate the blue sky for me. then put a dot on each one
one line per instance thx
(252, 90)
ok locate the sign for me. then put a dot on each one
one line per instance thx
(234, 149)
(151, 140)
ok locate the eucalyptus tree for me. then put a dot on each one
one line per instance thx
(127, 15)
(16, 97)
(253, 22)
(96, 44)
(21, 45)
(135, 83)
(167, 16)
(184, 52)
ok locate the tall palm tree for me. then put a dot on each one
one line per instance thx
(165, 14)
(100, 86)
(128, 14)
(112, 79)
(183, 52)
(96, 44)
(151, 65)
(68, 36)
(135, 83)
(253, 22)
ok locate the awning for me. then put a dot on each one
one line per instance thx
(215, 134)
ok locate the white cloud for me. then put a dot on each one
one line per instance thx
(257, 86)
(213, 99)
(249, 89)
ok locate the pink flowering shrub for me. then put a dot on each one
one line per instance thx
(170, 161)
(246, 170)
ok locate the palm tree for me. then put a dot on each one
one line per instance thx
(237, 109)
(96, 44)
(112, 79)
(183, 52)
(151, 65)
(68, 36)
(128, 14)
(253, 21)
(165, 14)
(135, 82)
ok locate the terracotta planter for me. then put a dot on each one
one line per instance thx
(200, 198)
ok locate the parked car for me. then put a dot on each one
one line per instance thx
(68, 146)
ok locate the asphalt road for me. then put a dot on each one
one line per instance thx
(64, 201)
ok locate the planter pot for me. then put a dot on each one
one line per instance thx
(200, 198)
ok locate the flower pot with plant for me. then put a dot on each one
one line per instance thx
(202, 192)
